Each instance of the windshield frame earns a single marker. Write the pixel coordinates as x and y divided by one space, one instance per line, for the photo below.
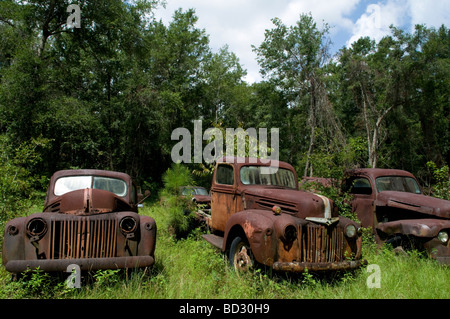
291 184
87 181
404 185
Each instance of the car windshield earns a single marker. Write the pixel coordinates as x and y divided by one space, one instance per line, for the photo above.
71 183
194 191
253 175
397 183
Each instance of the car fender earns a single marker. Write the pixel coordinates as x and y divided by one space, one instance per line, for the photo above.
414 227
262 228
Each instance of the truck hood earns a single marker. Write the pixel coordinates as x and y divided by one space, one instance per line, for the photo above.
415 202
299 203
87 202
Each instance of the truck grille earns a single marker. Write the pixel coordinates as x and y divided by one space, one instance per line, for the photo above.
322 244
83 238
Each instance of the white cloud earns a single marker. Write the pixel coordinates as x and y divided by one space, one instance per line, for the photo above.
432 13
375 22
404 14
241 23
335 13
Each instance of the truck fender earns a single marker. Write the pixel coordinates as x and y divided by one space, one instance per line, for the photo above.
414 227
262 228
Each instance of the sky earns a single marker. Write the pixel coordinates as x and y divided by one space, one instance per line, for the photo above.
241 23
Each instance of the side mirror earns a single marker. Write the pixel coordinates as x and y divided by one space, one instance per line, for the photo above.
142 199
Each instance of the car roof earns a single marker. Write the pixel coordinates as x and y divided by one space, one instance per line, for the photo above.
97 172
377 172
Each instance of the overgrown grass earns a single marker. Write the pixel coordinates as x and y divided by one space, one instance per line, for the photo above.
192 268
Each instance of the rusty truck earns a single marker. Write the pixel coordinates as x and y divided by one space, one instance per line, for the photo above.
392 204
90 219
260 217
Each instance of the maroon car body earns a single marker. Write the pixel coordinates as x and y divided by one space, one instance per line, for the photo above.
198 194
90 219
391 202
262 217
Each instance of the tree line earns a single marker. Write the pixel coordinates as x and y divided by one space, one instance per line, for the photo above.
109 94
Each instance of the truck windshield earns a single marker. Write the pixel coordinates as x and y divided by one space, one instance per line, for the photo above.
71 183
397 183
252 175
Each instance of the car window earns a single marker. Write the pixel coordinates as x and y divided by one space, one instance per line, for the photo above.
201 191
397 183
113 185
255 175
225 175
71 183
359 185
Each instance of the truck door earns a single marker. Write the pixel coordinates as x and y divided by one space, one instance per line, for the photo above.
363 197
223 193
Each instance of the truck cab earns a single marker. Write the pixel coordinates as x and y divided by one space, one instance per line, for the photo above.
258 215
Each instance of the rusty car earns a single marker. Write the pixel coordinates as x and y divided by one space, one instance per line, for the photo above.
90 219
392 204
198 194
260 217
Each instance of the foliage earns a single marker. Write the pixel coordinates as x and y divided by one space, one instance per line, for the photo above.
35 284
180 209
109 94
441 188
17 184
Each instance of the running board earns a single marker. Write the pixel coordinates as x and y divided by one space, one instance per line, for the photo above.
214 240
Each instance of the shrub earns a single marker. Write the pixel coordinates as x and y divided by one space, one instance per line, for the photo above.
441 188
180 210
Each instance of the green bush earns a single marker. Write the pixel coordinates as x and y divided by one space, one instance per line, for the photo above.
441 188
179 209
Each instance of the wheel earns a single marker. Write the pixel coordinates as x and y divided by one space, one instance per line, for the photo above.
241 256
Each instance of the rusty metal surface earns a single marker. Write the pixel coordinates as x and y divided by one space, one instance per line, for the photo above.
52 199
396 213
92 228
415 227
324 266
286 228
415 202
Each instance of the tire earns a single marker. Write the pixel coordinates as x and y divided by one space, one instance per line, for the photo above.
241 257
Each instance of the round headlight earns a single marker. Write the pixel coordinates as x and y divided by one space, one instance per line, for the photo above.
443 237
350 231
36 227
128 224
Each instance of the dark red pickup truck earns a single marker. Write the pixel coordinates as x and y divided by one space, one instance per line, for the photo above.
90 219
258 214
391 202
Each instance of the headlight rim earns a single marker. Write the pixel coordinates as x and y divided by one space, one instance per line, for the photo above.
123 229
39 234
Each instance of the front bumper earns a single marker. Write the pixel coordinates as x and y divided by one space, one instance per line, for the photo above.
85 264
324 266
